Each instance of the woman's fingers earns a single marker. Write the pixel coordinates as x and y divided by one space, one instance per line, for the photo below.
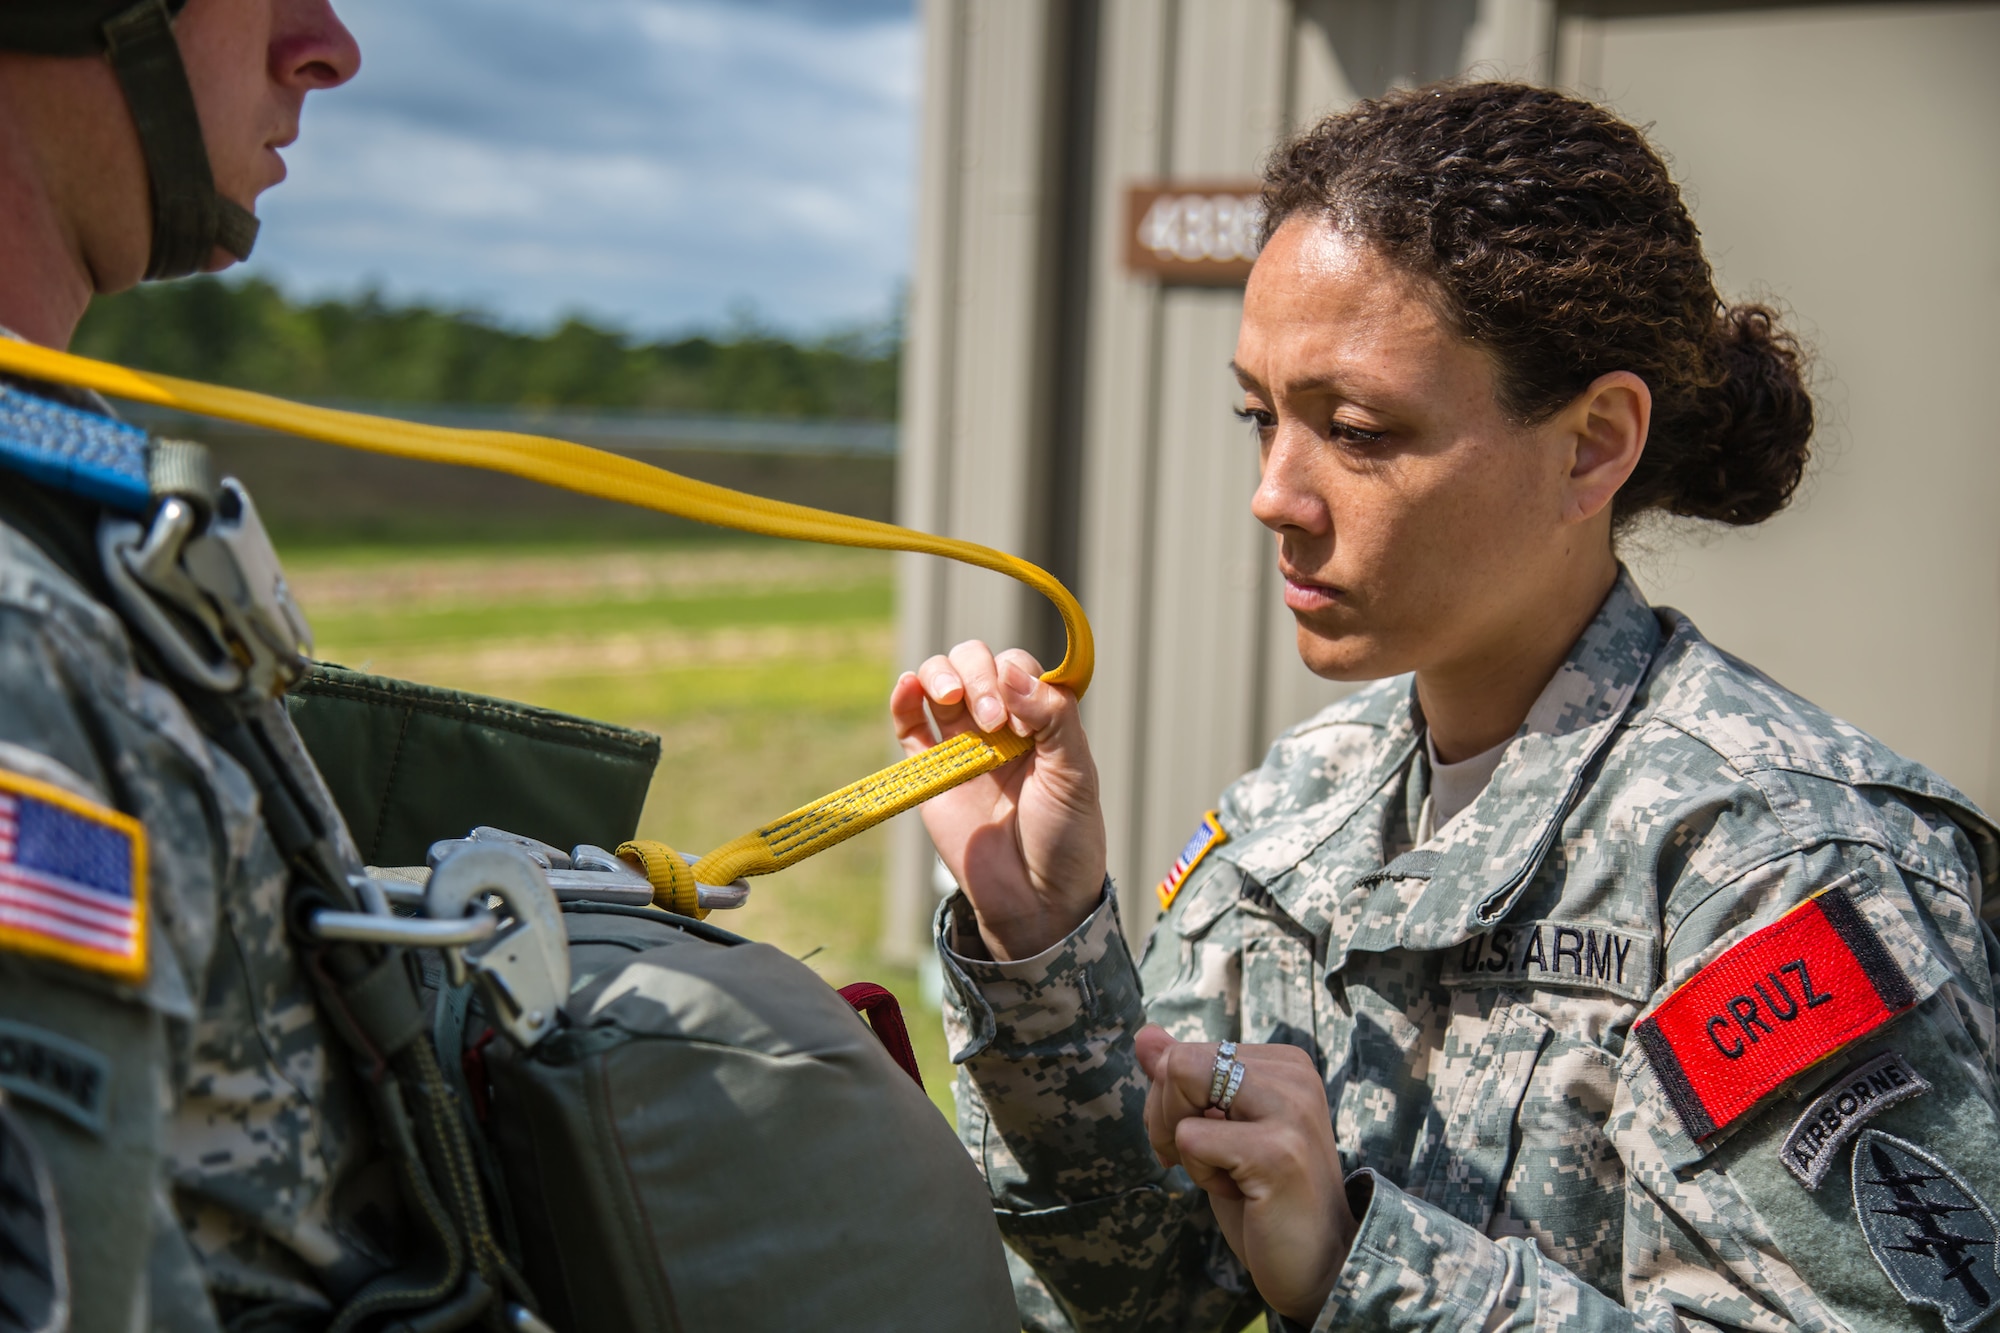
1165 1062
1255 1157
1032 704
1273 1079
1278 1193
1273 1175
971 683
1182 1074
962 688
1150 1043
974 665
942 687
906 710
1279 1084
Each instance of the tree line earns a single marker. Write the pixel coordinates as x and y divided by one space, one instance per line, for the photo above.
247 333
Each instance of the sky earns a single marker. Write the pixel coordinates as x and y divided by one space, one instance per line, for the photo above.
660 165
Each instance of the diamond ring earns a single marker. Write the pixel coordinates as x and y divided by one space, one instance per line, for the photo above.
1228 1098
1225 1056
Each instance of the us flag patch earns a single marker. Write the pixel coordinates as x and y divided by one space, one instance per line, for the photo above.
1208 835
72 879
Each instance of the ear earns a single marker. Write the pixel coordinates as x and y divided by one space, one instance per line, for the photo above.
1605 428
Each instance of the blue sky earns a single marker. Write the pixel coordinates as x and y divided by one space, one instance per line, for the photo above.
659 164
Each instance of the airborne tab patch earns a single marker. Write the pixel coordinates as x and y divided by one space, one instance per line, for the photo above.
1860 1094
1772 1005
66 1076
1208 835
72 879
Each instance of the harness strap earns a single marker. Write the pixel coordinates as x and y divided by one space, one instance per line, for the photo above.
371 1001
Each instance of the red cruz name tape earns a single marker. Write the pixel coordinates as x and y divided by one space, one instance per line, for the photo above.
1778 1002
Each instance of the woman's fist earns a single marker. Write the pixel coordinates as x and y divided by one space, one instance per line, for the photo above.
1270 1166
1025 841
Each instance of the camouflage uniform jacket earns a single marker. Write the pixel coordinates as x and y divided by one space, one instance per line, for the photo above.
202 1127
1471 1003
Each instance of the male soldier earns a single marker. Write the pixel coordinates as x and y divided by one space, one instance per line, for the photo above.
198 1129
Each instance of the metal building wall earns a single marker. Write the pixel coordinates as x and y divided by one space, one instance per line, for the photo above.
1062 408
1845 162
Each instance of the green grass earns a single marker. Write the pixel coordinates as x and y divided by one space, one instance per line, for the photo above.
763 667
864 605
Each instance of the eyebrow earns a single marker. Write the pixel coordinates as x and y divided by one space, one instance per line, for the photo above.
1315 383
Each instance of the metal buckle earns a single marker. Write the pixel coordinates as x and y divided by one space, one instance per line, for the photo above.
234 563
192 646
517 949
524 969
588 873
210 598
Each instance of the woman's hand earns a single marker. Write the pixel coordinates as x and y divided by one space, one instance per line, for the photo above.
1026 841
1270 1169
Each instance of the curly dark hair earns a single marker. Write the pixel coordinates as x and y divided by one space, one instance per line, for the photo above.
1554 238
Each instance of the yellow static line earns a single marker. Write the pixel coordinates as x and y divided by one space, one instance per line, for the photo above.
587 471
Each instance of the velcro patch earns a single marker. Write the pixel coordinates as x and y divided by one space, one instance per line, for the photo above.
72 879
1772 1005
1837 1115
1935 1238
1208 835
67 1077
1557 953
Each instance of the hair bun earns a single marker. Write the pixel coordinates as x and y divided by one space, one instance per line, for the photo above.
1562 247
1745 448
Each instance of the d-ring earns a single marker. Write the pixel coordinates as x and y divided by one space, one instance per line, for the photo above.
1228 1098
1225 1056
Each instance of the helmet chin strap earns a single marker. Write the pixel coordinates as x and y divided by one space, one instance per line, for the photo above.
189 217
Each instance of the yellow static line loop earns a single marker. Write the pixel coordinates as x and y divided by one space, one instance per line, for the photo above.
587 471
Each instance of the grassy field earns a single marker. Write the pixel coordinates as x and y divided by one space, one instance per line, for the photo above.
763 667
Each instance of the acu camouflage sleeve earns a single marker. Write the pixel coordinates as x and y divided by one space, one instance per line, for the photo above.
88 1064
1051 1104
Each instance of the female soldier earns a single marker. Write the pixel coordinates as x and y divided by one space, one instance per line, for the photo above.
1585 978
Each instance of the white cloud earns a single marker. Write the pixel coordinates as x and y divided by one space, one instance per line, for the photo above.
653 162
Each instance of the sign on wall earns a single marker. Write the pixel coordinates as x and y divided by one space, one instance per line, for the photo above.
1197 233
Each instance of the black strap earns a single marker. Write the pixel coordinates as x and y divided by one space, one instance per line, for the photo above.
62 526
189 217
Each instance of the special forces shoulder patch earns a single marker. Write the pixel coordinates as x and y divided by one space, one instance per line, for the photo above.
1936 1240
1208 835
34 1272
1772 1005
72 879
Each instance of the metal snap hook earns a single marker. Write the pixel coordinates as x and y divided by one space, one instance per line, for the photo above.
524 969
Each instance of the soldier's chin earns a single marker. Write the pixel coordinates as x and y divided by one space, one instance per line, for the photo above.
1340 656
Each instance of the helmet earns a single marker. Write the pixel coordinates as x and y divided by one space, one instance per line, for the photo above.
189 217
